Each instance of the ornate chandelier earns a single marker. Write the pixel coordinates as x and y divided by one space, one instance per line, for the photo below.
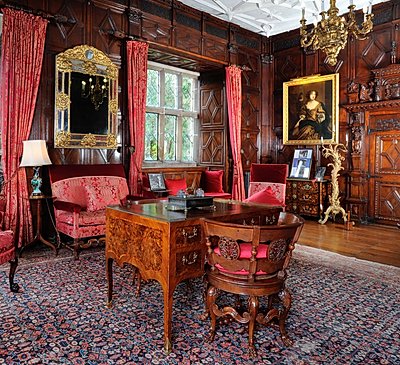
96 91
331 32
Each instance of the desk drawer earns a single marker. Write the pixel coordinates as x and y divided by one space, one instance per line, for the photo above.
188 235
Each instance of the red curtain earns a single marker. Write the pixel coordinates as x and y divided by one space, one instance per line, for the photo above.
234 98
23 41
137 88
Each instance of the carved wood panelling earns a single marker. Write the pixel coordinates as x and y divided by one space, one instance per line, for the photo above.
189 41
387 201
105 23
159 31
249 149
212 150
61 36
250 112
212 107
215 49
374 52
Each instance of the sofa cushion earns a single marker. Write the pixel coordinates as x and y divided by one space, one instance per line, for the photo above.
265 196
99 196
84 218
174 185
213 181
279 190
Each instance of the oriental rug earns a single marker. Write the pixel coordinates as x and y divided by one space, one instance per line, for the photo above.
345 311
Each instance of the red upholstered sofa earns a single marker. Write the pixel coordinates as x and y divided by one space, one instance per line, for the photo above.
187 178
81 194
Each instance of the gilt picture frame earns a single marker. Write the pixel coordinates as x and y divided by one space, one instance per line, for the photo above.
311 110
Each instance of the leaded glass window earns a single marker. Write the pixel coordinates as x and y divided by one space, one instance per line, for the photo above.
171 115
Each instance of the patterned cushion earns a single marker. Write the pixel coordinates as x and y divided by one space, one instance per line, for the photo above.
265 196
99 196
278 190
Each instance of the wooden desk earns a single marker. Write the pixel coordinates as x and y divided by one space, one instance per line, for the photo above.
168 246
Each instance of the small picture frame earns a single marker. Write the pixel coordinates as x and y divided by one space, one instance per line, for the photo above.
320 173
157 182
301 165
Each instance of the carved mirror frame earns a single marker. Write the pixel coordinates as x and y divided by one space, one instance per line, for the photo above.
71 66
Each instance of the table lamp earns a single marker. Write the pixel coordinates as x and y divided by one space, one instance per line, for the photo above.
35 155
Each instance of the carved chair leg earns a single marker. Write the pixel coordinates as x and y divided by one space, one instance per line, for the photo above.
286 299
253 310
14 287
212 294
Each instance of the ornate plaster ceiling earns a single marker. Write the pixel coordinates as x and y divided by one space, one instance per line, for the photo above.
270 17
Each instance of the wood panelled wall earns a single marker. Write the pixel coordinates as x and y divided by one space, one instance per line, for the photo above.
178 36
184 37
370 182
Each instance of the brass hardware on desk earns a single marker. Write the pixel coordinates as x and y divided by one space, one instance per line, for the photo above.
190 258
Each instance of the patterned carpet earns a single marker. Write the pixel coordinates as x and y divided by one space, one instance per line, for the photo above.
345 311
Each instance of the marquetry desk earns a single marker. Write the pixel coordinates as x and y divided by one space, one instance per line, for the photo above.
169 246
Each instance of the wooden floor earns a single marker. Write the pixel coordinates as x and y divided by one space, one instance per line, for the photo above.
367 242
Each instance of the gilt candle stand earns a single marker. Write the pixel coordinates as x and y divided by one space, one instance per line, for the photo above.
334 152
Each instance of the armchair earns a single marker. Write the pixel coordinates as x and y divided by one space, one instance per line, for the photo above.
7 250
250 261
268 178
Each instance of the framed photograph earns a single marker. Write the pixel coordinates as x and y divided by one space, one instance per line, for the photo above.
301 165
311 110
157 182
320 173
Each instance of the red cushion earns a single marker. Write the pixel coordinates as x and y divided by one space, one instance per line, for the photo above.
245 253
265 196
175 185
213 181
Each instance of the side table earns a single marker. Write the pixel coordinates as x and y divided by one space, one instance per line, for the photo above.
37 200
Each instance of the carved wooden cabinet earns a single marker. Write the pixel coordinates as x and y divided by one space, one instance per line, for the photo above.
373 160
307 197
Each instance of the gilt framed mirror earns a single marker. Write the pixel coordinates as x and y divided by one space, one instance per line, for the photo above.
86 99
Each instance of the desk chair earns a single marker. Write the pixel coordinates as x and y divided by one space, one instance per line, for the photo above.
250 261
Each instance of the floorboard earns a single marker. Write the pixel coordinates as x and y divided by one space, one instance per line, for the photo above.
367 242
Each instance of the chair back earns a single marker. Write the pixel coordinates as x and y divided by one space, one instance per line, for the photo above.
251 253
273 173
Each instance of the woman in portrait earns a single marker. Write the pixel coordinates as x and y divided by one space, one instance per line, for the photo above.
314 120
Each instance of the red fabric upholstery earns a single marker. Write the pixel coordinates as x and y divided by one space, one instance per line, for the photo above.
212 181
219 195
245 253
61 172
269 172
265 196
175 185
82 193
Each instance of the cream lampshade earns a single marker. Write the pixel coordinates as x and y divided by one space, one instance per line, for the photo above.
35 155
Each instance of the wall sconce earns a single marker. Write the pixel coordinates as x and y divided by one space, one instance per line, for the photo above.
35 155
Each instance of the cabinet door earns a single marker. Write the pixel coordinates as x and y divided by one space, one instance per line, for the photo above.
384 177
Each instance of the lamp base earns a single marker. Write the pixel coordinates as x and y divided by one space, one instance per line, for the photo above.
36 183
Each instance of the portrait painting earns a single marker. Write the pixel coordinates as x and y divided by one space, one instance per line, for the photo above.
311 110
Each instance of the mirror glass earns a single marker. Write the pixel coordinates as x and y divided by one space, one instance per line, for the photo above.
86 99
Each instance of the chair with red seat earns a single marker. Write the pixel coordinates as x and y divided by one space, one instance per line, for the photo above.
251 261
7 250
268 178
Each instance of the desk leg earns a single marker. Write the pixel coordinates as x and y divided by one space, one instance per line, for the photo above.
168 299
109 275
